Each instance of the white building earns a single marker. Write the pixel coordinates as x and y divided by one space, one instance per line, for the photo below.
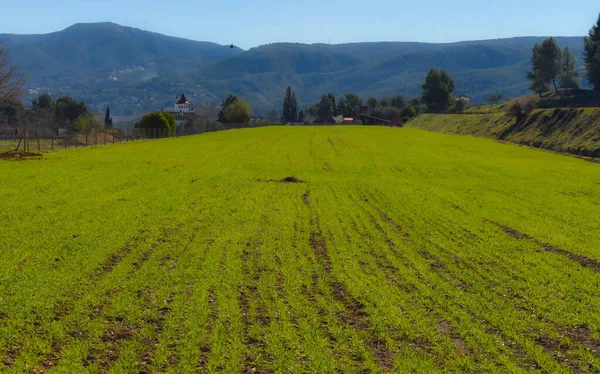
182 106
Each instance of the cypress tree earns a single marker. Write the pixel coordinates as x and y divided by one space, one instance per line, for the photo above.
107 118
592 55
287 106
293 108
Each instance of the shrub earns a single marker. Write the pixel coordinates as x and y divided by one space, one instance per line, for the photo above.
157 120
522 107
238 112
408 111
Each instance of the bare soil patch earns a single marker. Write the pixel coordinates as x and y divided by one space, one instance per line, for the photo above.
19 156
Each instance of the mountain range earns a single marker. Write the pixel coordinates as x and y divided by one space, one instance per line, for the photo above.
137 71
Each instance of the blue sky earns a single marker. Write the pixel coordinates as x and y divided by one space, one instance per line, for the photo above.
249 24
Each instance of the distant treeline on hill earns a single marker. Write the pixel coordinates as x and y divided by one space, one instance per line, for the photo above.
82 61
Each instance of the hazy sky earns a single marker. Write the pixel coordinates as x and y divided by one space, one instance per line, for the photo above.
249 24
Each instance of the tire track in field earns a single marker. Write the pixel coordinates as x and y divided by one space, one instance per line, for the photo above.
62 308
581 335
117 332
249 291
584 261
157 324
519 349
355 315
206 348
442 326
149 345
518 352
391 273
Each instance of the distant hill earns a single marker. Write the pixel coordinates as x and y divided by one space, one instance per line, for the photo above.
137 71
104 57
378 69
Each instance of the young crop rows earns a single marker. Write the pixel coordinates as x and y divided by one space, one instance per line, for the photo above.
390 250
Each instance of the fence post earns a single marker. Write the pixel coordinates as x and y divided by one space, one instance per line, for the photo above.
38 141
65 141
52 142
104 137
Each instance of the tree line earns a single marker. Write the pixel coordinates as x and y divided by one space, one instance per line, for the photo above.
437 96
556 68
49 114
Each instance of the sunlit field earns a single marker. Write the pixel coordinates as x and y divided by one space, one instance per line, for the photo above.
300 249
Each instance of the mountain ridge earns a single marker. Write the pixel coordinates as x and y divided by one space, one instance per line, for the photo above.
136 71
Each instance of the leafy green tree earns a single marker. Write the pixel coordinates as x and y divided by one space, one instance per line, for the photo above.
408 111
87 122
551 61
301 116
333 104
349 105
44 101
569 76
67 110
391 112
324 110
385 102
171 121
372 103
108 122
546 65
591 55
539 83
397 101
437 90
157 120
154 120
238 112
228 101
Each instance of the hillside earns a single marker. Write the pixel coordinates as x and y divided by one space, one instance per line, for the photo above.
393 250
569 130
373 69
137 71
96 62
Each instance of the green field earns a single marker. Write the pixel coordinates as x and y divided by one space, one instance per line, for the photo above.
399 250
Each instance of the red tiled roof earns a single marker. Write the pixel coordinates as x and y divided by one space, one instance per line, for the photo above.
182 100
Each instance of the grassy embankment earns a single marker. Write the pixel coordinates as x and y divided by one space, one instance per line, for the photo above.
400 250
571 130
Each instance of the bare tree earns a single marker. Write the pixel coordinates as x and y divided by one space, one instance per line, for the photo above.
522 107
11 81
